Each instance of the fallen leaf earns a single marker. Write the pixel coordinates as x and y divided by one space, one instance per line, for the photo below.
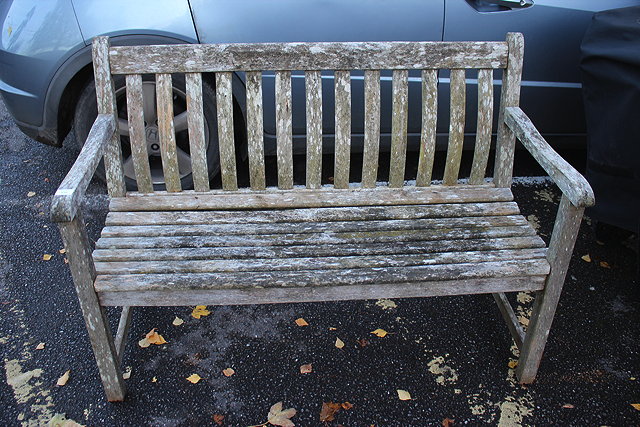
447 422
62 251
31 193
331 328
228 372
363 342
632 378
306 369
586 258
63 379
512 364
339 343
281 418
154 380
200 311
155 338
403 395
46 257
177 321
66 261
144 343
568 406
127 373
301 322
217 418
346 406
604 264
194 378
60 420
380 333
636 406
328 411
40 346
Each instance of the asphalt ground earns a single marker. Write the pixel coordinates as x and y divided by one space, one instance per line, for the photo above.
451 354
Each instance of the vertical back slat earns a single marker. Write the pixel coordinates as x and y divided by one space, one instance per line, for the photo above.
224 105
137 135
510 97
371 128
255 130
168 152
456 127
107 105
343 129
313 87
284 130
195 121
483 132
428 134
400 111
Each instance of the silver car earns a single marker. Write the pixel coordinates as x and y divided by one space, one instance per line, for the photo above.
46 76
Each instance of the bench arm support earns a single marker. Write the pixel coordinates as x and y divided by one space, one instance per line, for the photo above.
66 200
572 184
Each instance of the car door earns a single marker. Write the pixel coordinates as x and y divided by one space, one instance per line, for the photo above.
252 21
553 30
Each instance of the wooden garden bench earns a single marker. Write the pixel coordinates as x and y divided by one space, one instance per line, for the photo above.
314 242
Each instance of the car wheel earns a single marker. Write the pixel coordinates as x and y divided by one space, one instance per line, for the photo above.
86 112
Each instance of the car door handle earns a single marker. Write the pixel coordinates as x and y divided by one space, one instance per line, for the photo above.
499 5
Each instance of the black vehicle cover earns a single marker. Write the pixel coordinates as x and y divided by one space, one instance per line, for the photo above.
611 88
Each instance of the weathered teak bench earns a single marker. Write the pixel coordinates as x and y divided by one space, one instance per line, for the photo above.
314 242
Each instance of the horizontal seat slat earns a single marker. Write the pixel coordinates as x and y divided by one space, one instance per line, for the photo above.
312 263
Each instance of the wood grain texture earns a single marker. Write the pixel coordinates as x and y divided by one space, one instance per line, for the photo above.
284 130
456 127
566 177
137 135
66 200
343 129
224 104
428 133
78 252
509 97
483 127
105 94
255 130
195 122
510 318
400 114
371 128
123 332
168 151
563 238
306 56
313 88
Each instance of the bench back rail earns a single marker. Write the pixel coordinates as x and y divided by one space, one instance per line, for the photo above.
311 58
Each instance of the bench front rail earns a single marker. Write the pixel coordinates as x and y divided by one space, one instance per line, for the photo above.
312 241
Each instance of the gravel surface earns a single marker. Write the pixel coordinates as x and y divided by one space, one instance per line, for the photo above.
451 354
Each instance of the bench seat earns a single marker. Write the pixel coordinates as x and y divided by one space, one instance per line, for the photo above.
316 254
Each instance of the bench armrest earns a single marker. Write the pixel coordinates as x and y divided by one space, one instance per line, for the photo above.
67 198
572 184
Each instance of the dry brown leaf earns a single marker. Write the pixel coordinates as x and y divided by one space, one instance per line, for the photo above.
31 193
605 264
447 422
40 346
194 378
228 372
328 411
177 321
362 342
346 406
586 258
200 311
403 395
331 328
306 369
512 364
568 406
636 406
154 338
301 322
339 343
62 251
217 418
64 378
47 257
380 333
279 417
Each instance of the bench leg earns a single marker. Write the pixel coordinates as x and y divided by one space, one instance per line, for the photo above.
78 252
561 245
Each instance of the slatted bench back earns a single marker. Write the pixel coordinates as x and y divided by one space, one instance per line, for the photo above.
282 58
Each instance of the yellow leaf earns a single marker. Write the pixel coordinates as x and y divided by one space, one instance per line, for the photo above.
403 395
512 364
379 333
155 338
40 346
586 258
339 343
636 406
177 321
200 311
31 193
194 378
228 372
154 380
63 379
46 257
301 322
306 369
279 417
